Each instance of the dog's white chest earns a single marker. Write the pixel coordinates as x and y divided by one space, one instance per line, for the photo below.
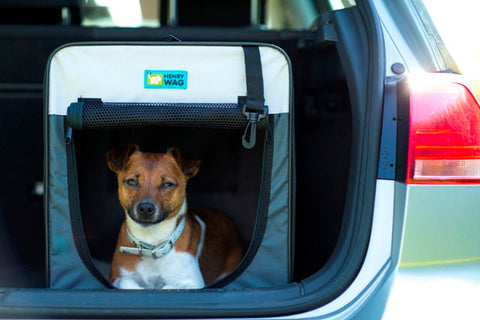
176 270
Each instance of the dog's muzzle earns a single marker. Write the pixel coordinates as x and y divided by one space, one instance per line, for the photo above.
147 213
146 208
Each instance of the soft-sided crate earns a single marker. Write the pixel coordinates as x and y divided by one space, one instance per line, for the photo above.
228 104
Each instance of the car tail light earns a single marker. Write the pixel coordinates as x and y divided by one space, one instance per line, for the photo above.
444 137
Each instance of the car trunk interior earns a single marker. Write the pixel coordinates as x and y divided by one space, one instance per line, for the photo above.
323 143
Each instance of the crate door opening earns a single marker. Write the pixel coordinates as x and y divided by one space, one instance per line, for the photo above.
229 179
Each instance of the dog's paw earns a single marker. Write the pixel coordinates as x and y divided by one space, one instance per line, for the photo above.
187 285
126 284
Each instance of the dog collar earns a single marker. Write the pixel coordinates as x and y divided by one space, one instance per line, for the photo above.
144 249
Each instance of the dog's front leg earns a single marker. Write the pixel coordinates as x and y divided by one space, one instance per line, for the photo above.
183 272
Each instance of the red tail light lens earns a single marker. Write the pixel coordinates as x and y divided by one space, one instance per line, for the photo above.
444 137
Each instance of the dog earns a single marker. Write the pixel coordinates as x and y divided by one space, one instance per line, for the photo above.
161 243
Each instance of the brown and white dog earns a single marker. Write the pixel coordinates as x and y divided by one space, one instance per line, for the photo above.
161 244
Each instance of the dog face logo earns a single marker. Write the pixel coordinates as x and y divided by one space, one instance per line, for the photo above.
154 79
151 186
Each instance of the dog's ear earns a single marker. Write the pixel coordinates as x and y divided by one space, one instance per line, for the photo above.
117 158
189 164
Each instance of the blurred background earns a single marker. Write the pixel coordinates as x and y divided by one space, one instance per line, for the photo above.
457 22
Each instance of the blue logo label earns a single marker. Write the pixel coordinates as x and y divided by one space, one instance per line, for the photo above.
165 79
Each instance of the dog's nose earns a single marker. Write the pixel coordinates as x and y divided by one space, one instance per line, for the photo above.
146 208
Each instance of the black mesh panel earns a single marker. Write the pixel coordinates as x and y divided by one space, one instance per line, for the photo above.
98 115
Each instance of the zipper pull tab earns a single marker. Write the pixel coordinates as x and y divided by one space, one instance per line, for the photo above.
68 135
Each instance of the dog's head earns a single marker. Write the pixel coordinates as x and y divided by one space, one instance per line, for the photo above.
151 186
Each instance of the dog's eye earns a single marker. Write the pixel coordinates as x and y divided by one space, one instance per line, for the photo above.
167 185
132 182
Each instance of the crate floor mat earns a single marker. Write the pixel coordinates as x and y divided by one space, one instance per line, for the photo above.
228 104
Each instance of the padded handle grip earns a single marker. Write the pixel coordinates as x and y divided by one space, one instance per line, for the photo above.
95 114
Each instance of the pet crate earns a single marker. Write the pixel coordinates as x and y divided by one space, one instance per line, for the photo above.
229 104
